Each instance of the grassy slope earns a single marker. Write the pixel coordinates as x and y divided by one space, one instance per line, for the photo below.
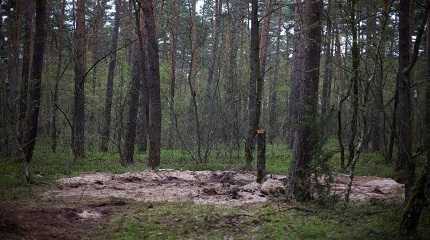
187 221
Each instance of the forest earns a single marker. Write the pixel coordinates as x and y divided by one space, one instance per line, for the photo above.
214 119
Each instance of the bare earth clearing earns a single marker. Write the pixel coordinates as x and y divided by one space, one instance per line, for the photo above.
208 187
78 206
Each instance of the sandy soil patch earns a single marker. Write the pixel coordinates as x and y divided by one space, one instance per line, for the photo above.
207 187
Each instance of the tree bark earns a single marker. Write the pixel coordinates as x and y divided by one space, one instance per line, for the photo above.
418 198
153 85
174 24
127 155
78 137
13 74
32 115
107 114
355 82
255 86
307 133
59 73
265 37
296 72
273 101
405 165
26 67
328 73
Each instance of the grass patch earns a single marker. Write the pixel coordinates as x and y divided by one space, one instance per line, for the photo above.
271 221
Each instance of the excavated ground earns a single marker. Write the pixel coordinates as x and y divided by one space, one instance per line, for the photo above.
208 187
78 206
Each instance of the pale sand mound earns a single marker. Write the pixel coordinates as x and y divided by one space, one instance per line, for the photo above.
206 187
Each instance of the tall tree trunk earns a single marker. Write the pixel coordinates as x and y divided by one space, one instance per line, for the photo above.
306 141
26 67
97 26
192 82
3 97
13 74
107 114
35 85
355 82
373 59
58 75
153 85
296 72
78 137
265 37
213 64
255 86
328 73
418 198
174 23
405 165
273 102
127 155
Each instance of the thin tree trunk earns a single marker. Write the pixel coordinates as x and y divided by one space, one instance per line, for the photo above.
213 65
265 37
127 154
109 84
328 73
78 137
58 75
35 85
273 102
192 82
174 22
355 82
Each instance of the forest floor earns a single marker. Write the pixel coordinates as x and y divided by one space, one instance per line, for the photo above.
99 199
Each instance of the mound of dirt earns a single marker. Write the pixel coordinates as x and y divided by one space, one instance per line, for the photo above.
206 187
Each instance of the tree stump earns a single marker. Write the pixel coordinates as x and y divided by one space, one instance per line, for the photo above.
261 154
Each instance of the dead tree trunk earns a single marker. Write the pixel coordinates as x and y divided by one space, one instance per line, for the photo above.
107 114
35 85
261 155
78 136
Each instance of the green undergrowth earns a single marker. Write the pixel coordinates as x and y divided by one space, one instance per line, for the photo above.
271 221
